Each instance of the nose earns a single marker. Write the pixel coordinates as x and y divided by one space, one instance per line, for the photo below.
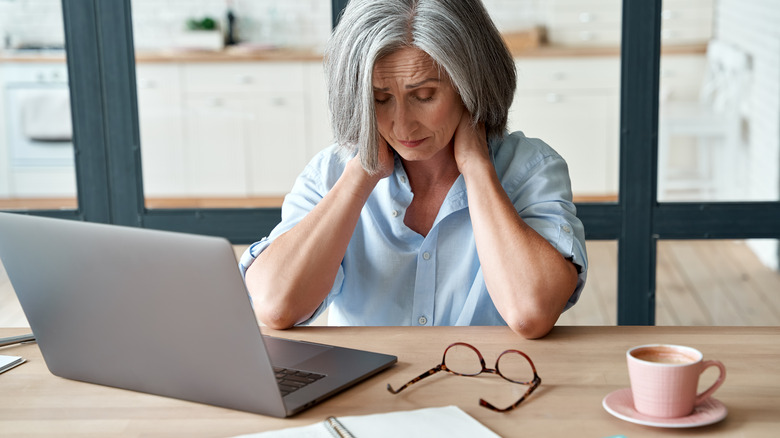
404 122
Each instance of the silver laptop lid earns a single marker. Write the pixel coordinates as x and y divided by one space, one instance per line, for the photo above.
95 295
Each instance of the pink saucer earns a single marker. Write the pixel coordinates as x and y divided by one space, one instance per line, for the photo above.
620 403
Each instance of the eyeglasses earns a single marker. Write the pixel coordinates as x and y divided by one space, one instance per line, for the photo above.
463 359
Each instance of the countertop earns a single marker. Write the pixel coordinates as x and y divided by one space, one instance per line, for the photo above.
292 55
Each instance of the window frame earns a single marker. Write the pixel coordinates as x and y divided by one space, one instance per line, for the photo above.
101 68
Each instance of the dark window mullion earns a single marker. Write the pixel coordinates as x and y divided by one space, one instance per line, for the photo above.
84 80
117 66
640 57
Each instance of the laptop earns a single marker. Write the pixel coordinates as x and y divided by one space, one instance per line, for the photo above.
163 313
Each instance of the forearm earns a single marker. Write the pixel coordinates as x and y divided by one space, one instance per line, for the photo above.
291 277
527 278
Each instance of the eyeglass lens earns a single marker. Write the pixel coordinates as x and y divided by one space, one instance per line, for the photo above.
464 360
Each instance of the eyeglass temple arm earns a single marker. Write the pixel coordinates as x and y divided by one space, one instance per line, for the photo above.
535 384
431 371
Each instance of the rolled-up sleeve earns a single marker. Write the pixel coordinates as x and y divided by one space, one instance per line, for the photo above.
306 193
317 178
537 181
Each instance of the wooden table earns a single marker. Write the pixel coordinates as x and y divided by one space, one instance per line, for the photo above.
578 367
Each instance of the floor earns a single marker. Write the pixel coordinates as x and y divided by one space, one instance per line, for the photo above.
698 283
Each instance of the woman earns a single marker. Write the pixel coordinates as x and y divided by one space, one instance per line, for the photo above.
425 212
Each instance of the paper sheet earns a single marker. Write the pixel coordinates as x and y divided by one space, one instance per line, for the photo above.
449 421
8 362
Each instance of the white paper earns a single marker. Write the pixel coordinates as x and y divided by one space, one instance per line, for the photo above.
8 362
449 421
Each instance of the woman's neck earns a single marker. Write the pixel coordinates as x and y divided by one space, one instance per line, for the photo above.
441 169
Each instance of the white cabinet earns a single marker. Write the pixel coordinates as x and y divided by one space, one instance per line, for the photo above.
160 119
597 23
245 127
582 22
319 133
277 150
573 105
215 146
681 77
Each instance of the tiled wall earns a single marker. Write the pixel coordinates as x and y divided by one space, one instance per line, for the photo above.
37 22
274 22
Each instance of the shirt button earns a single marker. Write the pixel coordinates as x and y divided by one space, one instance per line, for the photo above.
566 229
403 179
395 213
426 255
423 320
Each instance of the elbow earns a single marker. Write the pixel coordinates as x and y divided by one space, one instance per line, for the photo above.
269 306
275 311
532 323
531 328
275 319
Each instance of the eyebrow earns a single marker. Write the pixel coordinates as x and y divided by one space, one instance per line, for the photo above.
411 86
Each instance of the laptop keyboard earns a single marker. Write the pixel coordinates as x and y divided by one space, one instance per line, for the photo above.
290 380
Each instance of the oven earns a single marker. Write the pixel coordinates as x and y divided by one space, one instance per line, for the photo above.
38 134
37 109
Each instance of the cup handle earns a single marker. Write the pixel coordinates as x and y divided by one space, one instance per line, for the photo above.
707 393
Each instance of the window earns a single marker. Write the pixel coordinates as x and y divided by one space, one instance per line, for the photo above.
103 80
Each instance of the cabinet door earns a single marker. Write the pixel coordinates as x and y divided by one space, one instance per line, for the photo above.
214 151
160 119
276 150
319 132
583 128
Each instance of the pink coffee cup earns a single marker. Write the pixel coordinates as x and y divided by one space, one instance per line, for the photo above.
665 378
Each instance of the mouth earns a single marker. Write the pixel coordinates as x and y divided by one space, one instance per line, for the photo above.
411 143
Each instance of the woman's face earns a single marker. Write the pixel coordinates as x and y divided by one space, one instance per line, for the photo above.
417 109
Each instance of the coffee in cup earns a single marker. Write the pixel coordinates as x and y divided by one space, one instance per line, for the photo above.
664 379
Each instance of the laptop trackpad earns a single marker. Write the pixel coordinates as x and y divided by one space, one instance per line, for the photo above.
287 353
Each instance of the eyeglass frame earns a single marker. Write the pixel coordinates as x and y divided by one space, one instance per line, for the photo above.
534 383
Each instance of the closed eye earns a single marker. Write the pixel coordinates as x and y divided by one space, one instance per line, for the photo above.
425 94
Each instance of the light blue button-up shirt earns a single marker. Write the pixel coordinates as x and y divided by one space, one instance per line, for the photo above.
391 275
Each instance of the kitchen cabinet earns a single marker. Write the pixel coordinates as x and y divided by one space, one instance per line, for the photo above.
573 105
277 151
36 160
245 127
597 23
320 134
160 119
215 161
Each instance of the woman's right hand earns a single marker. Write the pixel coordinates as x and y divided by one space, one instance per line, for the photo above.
386 159
386 162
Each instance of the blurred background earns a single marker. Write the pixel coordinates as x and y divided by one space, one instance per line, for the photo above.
232 105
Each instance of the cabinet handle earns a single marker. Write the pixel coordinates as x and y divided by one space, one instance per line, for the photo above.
554 98
246 79
586 35
586 17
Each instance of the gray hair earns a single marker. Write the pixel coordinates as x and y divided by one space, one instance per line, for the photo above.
458 35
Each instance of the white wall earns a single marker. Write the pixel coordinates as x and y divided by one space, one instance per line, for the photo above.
32 21
278 22
752 25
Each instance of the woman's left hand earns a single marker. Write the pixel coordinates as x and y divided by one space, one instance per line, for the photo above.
469 143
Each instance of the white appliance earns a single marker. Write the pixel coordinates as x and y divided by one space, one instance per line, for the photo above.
38 152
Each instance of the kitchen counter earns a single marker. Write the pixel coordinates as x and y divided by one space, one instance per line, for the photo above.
239 54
